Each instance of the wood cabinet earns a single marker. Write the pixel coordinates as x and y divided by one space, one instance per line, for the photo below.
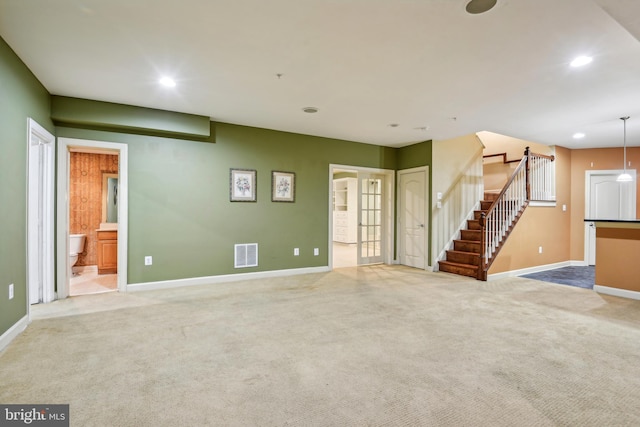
345 215
107 251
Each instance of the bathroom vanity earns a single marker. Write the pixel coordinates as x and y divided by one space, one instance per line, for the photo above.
107 251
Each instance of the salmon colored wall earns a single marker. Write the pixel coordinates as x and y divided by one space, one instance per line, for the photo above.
496 172
85 198
618 265
541 226
581 161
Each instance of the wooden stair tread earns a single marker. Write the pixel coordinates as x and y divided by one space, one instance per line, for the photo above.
463 252
457 264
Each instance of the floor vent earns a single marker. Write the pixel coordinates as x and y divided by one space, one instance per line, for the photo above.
246 255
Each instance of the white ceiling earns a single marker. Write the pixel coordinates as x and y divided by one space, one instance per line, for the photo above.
364 63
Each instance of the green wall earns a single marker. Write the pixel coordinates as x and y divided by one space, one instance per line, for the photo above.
22 97
179 208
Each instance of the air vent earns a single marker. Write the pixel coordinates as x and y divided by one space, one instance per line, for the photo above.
246 255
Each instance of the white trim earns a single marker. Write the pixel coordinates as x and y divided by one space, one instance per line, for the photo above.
47 167
65 145
13 332
617 292
536 269
225 278
390 185
542 203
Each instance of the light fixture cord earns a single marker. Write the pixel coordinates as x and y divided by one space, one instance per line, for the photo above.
624 120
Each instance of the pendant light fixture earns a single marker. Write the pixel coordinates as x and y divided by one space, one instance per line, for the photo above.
624 177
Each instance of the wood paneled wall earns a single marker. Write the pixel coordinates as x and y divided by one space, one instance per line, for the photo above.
85 198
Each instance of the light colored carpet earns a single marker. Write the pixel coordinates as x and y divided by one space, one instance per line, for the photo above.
368 346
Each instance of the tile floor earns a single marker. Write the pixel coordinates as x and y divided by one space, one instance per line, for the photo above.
582 277
345 255
88 281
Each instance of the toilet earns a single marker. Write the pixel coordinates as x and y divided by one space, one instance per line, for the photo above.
76 246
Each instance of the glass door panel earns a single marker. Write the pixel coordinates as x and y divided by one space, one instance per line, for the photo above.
370 217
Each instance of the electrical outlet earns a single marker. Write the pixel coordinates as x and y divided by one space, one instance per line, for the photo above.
11 291
296 251
564 208
316 251
539 249
148 260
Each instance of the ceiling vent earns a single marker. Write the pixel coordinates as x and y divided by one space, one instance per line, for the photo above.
246 255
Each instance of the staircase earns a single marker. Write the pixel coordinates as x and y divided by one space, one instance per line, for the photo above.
486 233
464 259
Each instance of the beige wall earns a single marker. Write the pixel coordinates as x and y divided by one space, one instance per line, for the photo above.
590 160
541 226
457 175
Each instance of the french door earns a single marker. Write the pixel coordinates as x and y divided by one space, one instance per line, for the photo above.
370 218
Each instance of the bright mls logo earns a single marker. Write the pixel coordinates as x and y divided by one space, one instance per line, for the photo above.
34 415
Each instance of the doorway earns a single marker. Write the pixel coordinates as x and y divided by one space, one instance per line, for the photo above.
97 237
360 216
40 242
606 198
413 217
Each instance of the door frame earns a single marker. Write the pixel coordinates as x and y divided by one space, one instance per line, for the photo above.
65 145
587 202
388 216
400 234
46 166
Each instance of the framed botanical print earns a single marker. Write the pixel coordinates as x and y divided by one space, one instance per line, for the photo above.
283 186
242 185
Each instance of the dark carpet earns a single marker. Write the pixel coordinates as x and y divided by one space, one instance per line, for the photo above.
582 277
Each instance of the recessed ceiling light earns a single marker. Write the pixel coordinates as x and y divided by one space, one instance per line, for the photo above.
310 110
581 60
578 135
167 82
480 6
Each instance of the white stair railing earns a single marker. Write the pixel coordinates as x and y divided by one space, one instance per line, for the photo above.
531 180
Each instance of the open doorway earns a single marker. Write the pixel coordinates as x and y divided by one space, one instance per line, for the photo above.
361 211
92 217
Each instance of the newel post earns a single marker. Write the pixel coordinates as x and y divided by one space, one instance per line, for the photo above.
482 221
528 172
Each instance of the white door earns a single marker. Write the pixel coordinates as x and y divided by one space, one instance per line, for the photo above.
608 199
413 220
40 215
370 218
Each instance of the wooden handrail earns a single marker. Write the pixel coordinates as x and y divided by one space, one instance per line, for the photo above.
523 162
504 157
544 156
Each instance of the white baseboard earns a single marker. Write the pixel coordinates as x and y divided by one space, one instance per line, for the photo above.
536 269
225 278
13 332
617 292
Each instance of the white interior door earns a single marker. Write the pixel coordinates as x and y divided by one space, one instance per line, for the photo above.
608 199
370 218
40 215
413 220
